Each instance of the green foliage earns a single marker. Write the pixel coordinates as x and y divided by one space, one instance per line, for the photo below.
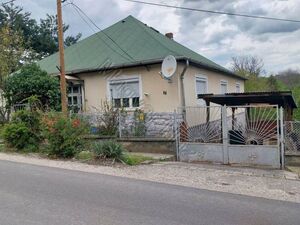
296 94
30 118
84 156
24 131
290 78
65 136
107 122
40 39
108 149
32 81
11 51
133 160
16 135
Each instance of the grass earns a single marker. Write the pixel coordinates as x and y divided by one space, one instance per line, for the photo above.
133 160
84 156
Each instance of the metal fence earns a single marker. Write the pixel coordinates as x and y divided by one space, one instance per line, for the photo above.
253 125
244 125
292 136
18 107
201 124
245 135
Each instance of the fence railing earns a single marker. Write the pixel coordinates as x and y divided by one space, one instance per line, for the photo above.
200 124
292 136
253 125
239 125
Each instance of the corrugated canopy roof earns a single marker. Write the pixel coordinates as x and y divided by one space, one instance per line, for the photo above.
129 42
281 98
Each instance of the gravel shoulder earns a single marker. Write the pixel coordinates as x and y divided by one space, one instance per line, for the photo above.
271 184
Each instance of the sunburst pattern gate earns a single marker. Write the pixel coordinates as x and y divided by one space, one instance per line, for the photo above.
247 135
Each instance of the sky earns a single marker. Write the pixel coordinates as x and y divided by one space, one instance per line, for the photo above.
217 37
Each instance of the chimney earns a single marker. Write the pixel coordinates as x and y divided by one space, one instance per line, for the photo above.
169 35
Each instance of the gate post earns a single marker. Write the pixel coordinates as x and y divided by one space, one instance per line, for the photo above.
176 135
225 135
282 137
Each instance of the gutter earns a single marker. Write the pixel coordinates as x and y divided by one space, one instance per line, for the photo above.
187 63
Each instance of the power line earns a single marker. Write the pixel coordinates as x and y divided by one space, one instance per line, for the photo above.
214 12
80 11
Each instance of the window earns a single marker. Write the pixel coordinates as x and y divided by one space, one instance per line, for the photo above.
201 88
125 93
237 88
223 87
75 97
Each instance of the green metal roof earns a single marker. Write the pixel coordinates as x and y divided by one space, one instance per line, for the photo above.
126 43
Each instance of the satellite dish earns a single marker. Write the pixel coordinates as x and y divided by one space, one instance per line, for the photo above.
169 67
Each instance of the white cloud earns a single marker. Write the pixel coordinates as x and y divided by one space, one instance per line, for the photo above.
218 37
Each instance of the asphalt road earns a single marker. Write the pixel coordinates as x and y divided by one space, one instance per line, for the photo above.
33 195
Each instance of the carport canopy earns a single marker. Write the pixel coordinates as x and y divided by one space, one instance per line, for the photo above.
282 99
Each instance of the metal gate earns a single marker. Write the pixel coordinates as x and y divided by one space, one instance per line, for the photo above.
246 135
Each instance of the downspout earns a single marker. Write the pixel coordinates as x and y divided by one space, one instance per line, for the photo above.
182 88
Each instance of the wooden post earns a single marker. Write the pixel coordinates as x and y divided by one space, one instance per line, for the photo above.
207 111
62 60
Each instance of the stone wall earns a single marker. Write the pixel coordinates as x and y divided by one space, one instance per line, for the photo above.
139 124
146 145
150 124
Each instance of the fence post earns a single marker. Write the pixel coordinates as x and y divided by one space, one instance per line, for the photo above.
120 123
176 135
282 137
225 135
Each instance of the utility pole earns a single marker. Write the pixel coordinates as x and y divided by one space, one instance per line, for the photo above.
63 89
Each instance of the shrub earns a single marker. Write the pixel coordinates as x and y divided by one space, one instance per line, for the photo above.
24 131
107 121
30 81
30 118
108 149
65 136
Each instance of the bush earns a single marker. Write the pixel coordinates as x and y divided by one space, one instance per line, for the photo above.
107 122
32 81
30 118
108 149
65 136
24 131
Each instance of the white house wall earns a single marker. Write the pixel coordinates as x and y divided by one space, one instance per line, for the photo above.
158 94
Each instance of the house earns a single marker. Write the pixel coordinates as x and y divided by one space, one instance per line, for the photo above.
122 64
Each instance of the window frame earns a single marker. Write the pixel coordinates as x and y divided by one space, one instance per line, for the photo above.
222 82
238 86
78 95
124 78
203 78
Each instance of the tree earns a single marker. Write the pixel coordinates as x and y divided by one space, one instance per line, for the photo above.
11 52
32 81
247 66
48 39
289 77
40 39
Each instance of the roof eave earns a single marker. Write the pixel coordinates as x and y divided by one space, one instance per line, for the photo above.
152 62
